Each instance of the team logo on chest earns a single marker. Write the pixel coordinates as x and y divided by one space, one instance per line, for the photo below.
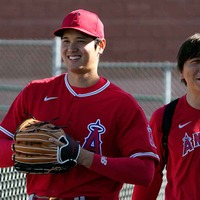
190 143
93 141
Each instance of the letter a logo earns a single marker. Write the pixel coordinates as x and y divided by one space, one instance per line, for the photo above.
75 21
93 140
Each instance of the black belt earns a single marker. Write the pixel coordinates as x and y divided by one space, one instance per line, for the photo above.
35 197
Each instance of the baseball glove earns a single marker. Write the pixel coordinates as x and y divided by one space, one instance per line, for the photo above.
34 151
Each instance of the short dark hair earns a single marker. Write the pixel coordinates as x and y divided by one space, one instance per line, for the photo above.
188 50
97 41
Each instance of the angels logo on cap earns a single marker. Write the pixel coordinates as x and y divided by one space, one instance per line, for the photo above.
84 21
75 21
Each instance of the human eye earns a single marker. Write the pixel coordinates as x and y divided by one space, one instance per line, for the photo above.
195 61
81 41
65 41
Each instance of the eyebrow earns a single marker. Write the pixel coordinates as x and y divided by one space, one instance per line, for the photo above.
79 37
195 58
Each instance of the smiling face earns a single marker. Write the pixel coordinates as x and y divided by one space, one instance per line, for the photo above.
191 74
80 52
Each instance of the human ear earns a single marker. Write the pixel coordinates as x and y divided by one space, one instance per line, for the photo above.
102 45
181 76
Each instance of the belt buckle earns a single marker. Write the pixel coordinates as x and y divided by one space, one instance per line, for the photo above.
80 198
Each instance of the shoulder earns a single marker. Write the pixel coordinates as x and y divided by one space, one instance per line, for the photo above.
157 115
126 100
121 93
46 81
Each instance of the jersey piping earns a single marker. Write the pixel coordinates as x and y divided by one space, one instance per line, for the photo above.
140 154
86 94
6 132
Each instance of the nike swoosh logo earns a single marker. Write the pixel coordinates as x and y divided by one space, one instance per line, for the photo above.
183 125
49 98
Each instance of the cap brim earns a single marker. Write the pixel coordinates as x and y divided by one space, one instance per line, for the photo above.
59 32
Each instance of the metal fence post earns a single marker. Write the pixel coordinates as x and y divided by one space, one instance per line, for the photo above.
167 83
56 57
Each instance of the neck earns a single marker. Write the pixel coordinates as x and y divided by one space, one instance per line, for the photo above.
82 80
193 100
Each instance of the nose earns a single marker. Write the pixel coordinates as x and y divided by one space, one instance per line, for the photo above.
72 46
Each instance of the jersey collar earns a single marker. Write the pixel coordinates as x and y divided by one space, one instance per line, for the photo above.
85 92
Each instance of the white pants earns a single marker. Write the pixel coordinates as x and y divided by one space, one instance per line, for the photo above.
32 196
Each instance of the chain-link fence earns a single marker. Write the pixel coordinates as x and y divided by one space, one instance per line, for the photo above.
152 84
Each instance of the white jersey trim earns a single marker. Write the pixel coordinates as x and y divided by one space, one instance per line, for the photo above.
86 94
8 133
142 154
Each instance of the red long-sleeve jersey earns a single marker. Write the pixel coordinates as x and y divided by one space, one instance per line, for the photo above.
183 179
103 118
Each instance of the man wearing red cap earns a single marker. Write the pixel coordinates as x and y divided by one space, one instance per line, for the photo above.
107 122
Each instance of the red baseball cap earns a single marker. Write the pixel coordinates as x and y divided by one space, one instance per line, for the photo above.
84 21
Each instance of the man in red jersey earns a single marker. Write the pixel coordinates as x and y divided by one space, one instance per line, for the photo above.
183 163
115 138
